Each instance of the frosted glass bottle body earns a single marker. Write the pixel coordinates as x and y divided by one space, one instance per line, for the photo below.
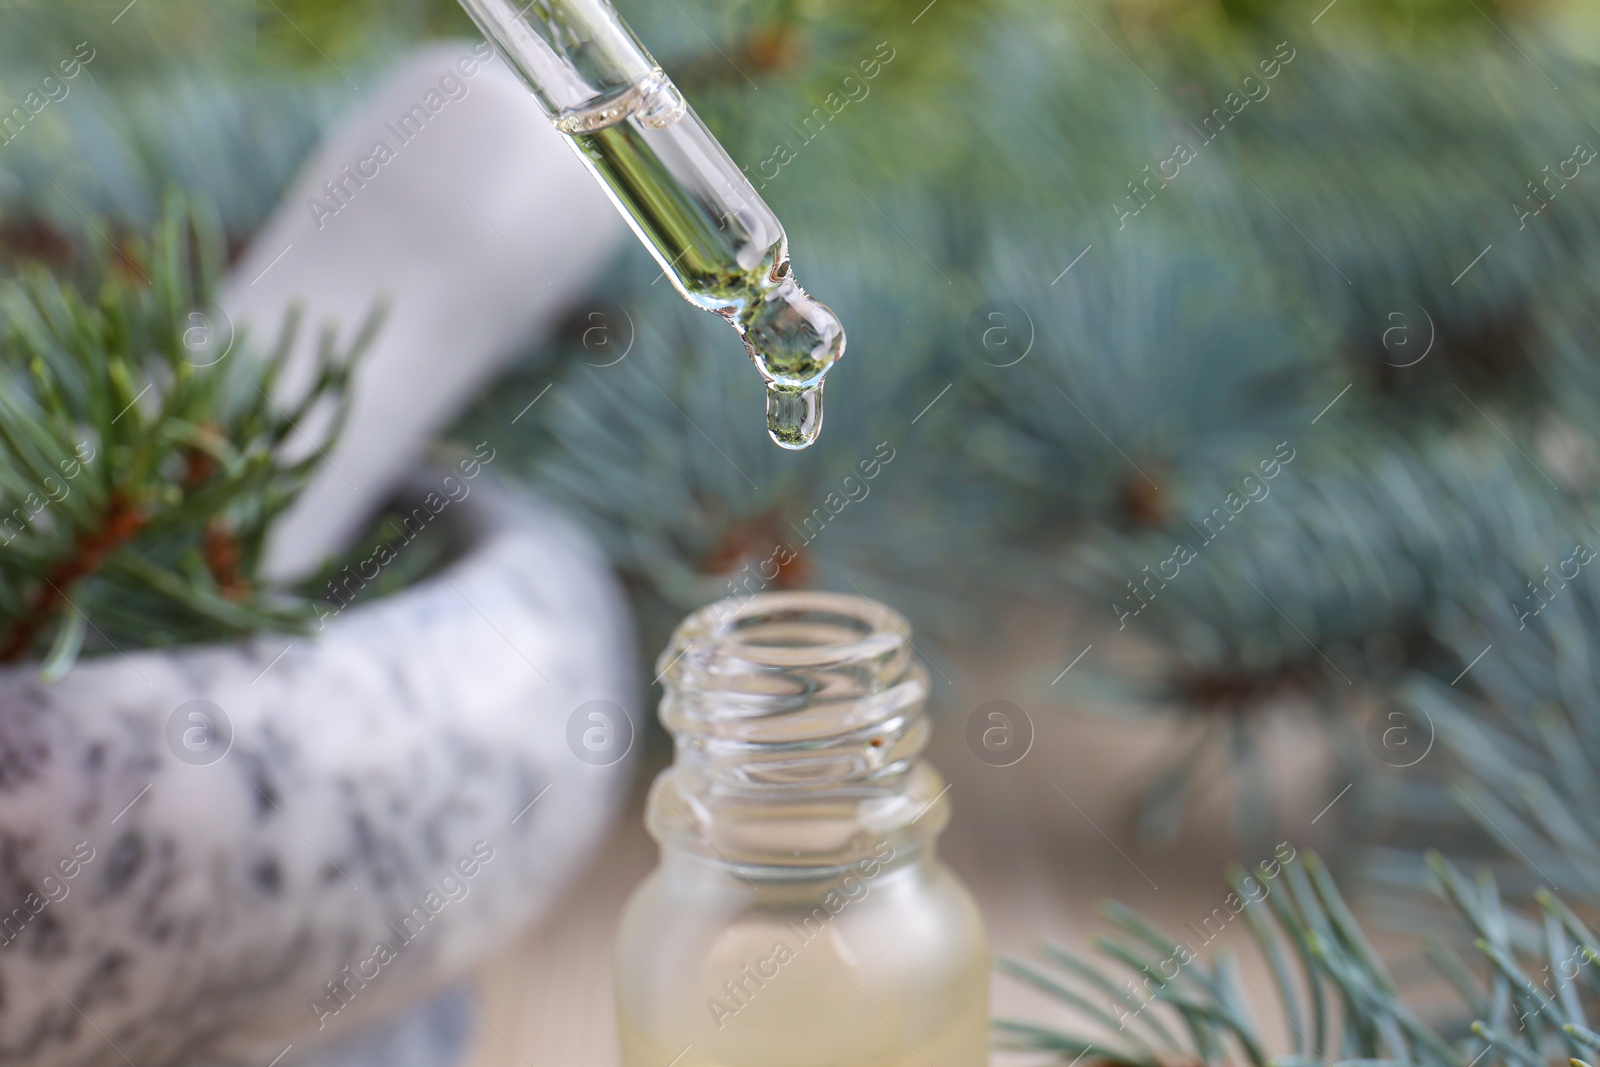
800 916
768 975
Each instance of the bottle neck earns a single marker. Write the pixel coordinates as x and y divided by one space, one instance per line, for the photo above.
885 866
798 725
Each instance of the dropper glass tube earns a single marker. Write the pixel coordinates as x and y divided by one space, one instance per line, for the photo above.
712 234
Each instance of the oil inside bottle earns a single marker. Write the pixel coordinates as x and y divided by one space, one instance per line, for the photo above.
716 240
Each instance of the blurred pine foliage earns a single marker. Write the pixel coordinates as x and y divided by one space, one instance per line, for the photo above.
1353 263
220 98
143 456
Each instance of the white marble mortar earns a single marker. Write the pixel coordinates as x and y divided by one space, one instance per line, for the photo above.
162 900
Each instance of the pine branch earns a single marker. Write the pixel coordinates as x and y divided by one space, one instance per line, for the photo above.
1518 723
142 455
1152 1000
117 526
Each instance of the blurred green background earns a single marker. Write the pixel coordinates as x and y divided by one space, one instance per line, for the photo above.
1101 262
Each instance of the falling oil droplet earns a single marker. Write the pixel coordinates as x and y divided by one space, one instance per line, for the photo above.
794 416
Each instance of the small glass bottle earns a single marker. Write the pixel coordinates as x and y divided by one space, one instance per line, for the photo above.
799 916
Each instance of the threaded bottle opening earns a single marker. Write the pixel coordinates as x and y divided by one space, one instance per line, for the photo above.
793 688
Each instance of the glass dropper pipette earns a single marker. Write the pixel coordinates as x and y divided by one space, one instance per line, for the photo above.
714 237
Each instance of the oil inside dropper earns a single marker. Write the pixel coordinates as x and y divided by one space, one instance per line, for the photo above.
716 240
